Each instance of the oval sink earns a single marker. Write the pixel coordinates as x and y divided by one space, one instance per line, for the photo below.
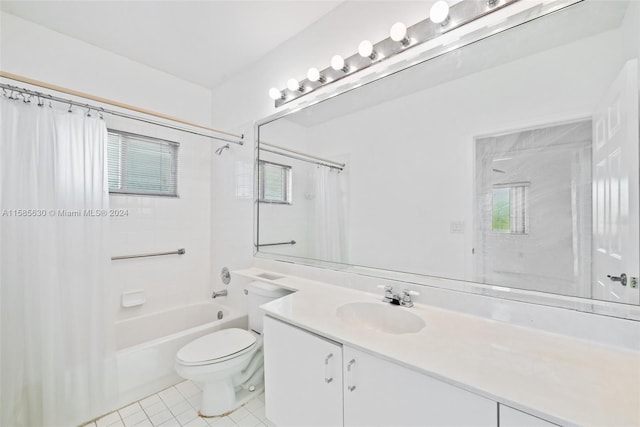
381 317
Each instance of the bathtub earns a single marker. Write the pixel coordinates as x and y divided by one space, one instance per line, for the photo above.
147 345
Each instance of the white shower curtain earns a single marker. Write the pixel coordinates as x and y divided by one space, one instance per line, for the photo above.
330 215
57 331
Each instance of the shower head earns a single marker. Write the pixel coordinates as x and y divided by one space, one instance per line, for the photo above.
221 149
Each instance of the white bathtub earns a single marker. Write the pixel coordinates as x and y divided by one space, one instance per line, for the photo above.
147 345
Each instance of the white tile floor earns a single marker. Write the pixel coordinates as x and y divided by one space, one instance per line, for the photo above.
177 406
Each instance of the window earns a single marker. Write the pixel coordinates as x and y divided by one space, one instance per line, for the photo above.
274 182
142 165
509 206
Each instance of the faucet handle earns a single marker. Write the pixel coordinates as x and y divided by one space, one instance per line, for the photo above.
388 292
406 297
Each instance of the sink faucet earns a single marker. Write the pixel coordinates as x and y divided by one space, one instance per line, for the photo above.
222 293
403 299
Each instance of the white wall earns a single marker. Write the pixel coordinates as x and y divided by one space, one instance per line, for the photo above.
154 223
36 52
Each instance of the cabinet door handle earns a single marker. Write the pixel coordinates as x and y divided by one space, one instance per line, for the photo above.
350 384
327 378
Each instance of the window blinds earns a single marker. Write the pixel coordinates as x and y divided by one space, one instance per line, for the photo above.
142 165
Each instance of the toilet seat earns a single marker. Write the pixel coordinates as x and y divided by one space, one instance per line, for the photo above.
216 347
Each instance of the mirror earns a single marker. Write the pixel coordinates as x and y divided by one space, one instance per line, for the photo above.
511 162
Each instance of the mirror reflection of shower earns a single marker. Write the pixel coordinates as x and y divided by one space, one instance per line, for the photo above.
221 149
314 187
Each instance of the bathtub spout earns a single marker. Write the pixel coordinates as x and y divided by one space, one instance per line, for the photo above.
222 293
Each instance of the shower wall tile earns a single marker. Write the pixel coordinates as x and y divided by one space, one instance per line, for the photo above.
158 224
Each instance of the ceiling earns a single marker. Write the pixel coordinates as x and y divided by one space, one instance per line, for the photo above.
203 42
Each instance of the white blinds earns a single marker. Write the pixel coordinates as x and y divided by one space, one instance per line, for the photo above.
142 165
275 183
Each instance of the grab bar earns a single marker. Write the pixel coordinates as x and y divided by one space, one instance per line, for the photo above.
293 242
180 251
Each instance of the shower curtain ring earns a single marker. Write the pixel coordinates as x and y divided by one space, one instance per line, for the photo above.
69 110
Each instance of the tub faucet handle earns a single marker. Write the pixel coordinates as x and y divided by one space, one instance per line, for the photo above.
222 293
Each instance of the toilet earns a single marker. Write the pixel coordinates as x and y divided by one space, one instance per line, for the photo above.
228 364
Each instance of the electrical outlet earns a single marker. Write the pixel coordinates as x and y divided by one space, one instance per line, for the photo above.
456 227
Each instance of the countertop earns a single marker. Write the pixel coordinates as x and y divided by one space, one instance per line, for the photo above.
561 379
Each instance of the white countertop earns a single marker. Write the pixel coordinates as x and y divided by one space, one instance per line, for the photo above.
558 378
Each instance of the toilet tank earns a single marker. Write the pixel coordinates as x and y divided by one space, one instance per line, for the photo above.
261 293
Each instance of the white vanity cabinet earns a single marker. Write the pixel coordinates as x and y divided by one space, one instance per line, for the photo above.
382 393
510 417
303 377
313 381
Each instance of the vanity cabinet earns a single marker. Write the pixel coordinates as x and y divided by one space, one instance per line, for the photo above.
311 381
303 377
510 417
382 393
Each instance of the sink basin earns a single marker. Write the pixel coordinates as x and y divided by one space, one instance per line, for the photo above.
381 317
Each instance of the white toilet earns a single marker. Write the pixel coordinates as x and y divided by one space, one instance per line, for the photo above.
229 363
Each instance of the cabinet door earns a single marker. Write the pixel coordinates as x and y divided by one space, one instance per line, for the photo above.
303 377
381 393
510 417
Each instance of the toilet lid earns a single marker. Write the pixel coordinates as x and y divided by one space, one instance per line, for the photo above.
217 345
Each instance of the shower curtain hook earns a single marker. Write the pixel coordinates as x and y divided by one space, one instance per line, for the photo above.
88 111
4 90
69 110
100 113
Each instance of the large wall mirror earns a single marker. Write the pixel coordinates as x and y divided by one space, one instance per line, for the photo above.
510 162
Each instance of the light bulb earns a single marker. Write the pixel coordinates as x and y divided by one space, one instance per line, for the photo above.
337 63
293 84
398 32
439 12
314 75
365 49
275 93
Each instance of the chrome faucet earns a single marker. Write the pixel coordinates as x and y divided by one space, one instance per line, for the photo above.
222 293
403 299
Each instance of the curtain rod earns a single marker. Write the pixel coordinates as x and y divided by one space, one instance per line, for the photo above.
293 156
320 160
73 92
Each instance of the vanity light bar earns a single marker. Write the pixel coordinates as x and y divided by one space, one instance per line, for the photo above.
459 14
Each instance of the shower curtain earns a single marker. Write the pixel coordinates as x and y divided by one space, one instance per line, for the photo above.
330 216
57 342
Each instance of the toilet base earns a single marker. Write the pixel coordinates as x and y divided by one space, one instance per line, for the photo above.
217 403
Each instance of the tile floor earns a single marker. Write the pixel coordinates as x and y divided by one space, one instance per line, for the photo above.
177 406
